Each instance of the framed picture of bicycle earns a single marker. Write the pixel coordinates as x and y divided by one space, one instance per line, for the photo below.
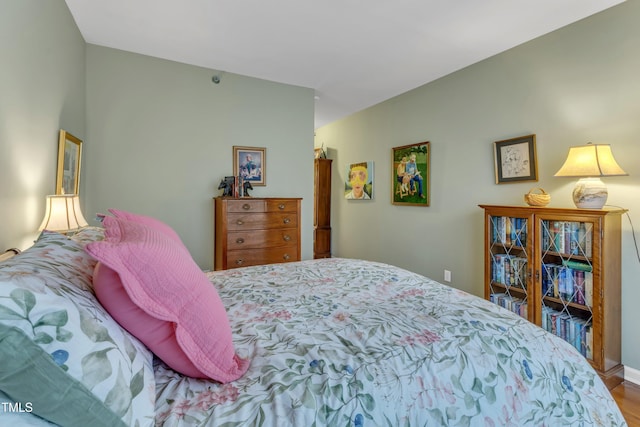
410 172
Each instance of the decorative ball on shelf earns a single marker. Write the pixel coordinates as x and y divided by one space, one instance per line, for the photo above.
542 198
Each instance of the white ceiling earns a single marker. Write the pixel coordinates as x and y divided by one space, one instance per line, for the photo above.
353 53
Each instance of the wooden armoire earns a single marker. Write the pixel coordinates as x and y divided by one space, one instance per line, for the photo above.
322 208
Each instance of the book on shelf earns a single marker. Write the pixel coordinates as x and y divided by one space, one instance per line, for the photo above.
571 239
580 288
564 285
568 284
511 303
577 265
576 331
588 242
509 231
509 270
558 236
498 234
588 289
568 237
588 343
582 233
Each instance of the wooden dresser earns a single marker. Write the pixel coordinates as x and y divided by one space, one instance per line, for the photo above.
254 231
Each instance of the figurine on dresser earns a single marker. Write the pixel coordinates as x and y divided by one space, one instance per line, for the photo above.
232 186
246 186
226 185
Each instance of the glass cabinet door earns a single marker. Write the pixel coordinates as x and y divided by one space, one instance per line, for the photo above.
509 248
567 282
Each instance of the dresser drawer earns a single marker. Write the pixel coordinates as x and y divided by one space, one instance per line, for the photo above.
262 238
246 205
240 221
244 258
282 205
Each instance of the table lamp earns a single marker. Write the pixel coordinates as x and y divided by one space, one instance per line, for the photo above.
63 214
589 163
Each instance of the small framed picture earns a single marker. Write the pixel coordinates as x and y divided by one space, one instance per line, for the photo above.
515 159
410 174
69 157
359 183
251 164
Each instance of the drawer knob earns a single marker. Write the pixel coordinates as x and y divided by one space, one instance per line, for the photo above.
281 206
286 237
286 257
239 222
239 261
239 240
286 220
246 206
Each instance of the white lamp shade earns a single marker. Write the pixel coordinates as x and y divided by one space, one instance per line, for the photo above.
590 160
63 214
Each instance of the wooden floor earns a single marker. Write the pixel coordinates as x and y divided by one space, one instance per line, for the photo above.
627 395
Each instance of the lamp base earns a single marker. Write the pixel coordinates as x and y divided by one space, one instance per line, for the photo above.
590 193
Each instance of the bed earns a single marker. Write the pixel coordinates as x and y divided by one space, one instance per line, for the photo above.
330 342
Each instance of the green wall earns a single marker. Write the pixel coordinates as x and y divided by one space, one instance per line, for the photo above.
41 90
575 85
160 137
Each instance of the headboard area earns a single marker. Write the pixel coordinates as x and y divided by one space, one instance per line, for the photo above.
9 253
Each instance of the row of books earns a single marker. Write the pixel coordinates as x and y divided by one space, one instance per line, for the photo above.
509 231
575 331
568 237
509 270
569 284
517 305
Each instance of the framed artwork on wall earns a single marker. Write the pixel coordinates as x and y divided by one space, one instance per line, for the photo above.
250 163
69 158
359 183
410 174
515 159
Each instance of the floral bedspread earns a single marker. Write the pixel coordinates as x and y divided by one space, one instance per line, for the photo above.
340 342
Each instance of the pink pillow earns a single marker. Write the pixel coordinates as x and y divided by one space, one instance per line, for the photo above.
156 334
161 278
154 223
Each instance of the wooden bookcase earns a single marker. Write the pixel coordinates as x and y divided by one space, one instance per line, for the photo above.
560 269
322 208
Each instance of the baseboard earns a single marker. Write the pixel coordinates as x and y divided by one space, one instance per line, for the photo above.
632 375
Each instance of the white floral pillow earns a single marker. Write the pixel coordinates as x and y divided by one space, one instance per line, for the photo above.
57 258
61 349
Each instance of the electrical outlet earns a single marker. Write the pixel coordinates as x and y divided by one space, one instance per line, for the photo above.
447 276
